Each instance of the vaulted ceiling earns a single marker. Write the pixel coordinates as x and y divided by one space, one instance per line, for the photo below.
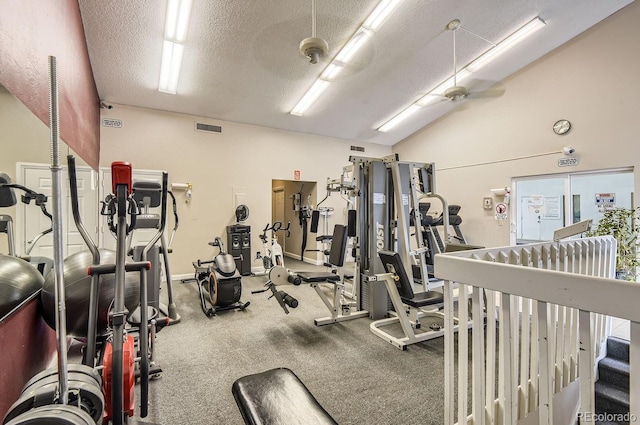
242 61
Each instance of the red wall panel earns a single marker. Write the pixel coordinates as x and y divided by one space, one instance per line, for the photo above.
28 346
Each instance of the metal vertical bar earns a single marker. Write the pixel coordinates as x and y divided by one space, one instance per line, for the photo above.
58 244
478 381
491 357
634 363
546 381
449 355
463 351
523 401
585 366
505 377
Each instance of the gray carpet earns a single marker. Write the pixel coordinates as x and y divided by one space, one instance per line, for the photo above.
356 376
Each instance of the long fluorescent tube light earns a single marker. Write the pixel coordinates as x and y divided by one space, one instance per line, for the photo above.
170 68
373 22
177 23
438 92
311 96
380 14
406 113
175 33
531 27
355 43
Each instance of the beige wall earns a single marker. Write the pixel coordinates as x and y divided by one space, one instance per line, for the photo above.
592 81
23 138
243 158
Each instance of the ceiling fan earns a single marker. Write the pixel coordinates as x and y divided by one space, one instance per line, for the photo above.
457 92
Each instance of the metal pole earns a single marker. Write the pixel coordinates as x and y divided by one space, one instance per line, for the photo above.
58 245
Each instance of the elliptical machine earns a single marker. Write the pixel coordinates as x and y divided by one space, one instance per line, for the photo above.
219 282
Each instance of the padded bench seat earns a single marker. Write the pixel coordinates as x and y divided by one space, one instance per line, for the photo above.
278 396
313 277
422 299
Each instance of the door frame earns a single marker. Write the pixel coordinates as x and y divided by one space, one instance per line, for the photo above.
568 206
21 170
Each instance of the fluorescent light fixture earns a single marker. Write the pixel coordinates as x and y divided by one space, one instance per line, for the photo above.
373 22
177 23
175 33
438 92
412 109
311 96
170 69
331 71
528 29
380 14
353 45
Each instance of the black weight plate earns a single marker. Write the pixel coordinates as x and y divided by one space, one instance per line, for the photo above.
72 375
91 398
53 414
44 393
74 367
40 396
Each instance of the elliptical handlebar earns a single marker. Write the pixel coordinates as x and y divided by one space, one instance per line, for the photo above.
175 221
90 351
275 228
40 199
144 329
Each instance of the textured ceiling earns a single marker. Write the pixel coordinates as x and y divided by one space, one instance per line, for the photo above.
242 64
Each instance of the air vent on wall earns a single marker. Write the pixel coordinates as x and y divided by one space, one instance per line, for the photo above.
357 148
208 128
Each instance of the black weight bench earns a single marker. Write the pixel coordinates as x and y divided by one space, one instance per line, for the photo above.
278 396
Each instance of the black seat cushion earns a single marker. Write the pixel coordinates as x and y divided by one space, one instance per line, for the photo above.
278 396
311 277
422 299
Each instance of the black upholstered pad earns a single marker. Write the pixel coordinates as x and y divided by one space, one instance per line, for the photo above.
422 299
278 396
311 277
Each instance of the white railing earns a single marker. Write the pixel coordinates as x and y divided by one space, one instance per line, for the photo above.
544 306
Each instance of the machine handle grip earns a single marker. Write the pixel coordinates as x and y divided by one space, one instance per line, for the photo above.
111 268
288 299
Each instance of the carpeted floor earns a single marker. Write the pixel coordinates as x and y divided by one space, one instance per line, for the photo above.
356 376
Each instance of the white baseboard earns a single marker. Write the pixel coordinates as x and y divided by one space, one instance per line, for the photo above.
305 259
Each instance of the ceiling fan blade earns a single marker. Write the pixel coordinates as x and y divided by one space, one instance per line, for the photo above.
487 93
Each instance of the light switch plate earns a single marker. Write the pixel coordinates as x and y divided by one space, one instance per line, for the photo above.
487 203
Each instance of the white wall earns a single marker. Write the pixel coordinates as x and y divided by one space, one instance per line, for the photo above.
591 80
243 158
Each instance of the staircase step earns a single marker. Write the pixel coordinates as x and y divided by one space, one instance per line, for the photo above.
618 348
614 371
611 399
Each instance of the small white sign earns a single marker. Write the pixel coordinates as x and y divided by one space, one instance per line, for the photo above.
567 162
378 198
111 122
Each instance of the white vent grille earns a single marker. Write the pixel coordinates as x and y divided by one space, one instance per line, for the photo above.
357 148
208 128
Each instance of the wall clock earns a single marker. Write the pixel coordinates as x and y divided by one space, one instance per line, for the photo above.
561 127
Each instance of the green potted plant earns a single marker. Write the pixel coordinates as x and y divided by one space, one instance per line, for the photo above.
623 224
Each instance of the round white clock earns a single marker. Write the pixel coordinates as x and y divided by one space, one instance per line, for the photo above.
562 127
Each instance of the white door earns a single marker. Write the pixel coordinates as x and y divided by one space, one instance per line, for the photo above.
32 221
140 236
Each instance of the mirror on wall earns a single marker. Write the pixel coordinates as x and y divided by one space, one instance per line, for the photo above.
25 159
